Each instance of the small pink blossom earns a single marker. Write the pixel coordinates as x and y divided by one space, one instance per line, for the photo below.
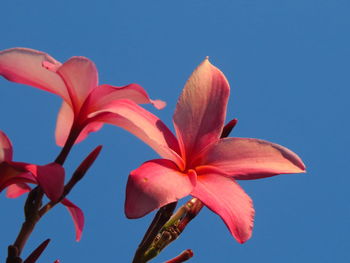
76 82
199 163
15 176
50 177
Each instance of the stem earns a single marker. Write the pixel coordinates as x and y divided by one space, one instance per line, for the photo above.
73 135
31 207
172 229
24 234
162 216
34 202
195 206
12 253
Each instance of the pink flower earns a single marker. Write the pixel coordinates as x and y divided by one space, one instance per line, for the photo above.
15 176
76 82
200 163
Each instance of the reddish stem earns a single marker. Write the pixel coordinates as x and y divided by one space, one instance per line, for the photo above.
34 202
73 135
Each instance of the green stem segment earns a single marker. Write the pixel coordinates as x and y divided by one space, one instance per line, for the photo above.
167 231
162 216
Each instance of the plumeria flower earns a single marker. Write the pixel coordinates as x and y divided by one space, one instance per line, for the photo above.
76 82
15 176
199 163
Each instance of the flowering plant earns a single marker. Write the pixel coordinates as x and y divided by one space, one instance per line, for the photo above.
200 161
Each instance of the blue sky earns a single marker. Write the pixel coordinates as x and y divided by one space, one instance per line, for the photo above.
288 66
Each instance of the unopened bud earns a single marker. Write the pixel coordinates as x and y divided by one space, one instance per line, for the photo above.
33 257
228 128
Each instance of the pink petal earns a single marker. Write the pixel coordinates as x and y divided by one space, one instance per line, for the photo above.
12 174
24 65
103 95
50 177
5 148
64 123
90 127
77 216
101 98
144 125
252 158
226 198
80 76
200 112
155 184
16 190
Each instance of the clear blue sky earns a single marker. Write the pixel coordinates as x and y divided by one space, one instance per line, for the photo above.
288 66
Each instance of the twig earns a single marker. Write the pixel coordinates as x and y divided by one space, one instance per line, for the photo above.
162 216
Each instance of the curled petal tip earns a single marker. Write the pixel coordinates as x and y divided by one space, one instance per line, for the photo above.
158 104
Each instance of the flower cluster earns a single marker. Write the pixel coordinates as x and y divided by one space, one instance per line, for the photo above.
200 160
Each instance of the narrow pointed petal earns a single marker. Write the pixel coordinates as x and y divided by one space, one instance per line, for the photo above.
13 174
77 216
144 125
245 158
103 95
5 148
200 112
80 76
16 190
50 177
25 66
226 198
155 184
